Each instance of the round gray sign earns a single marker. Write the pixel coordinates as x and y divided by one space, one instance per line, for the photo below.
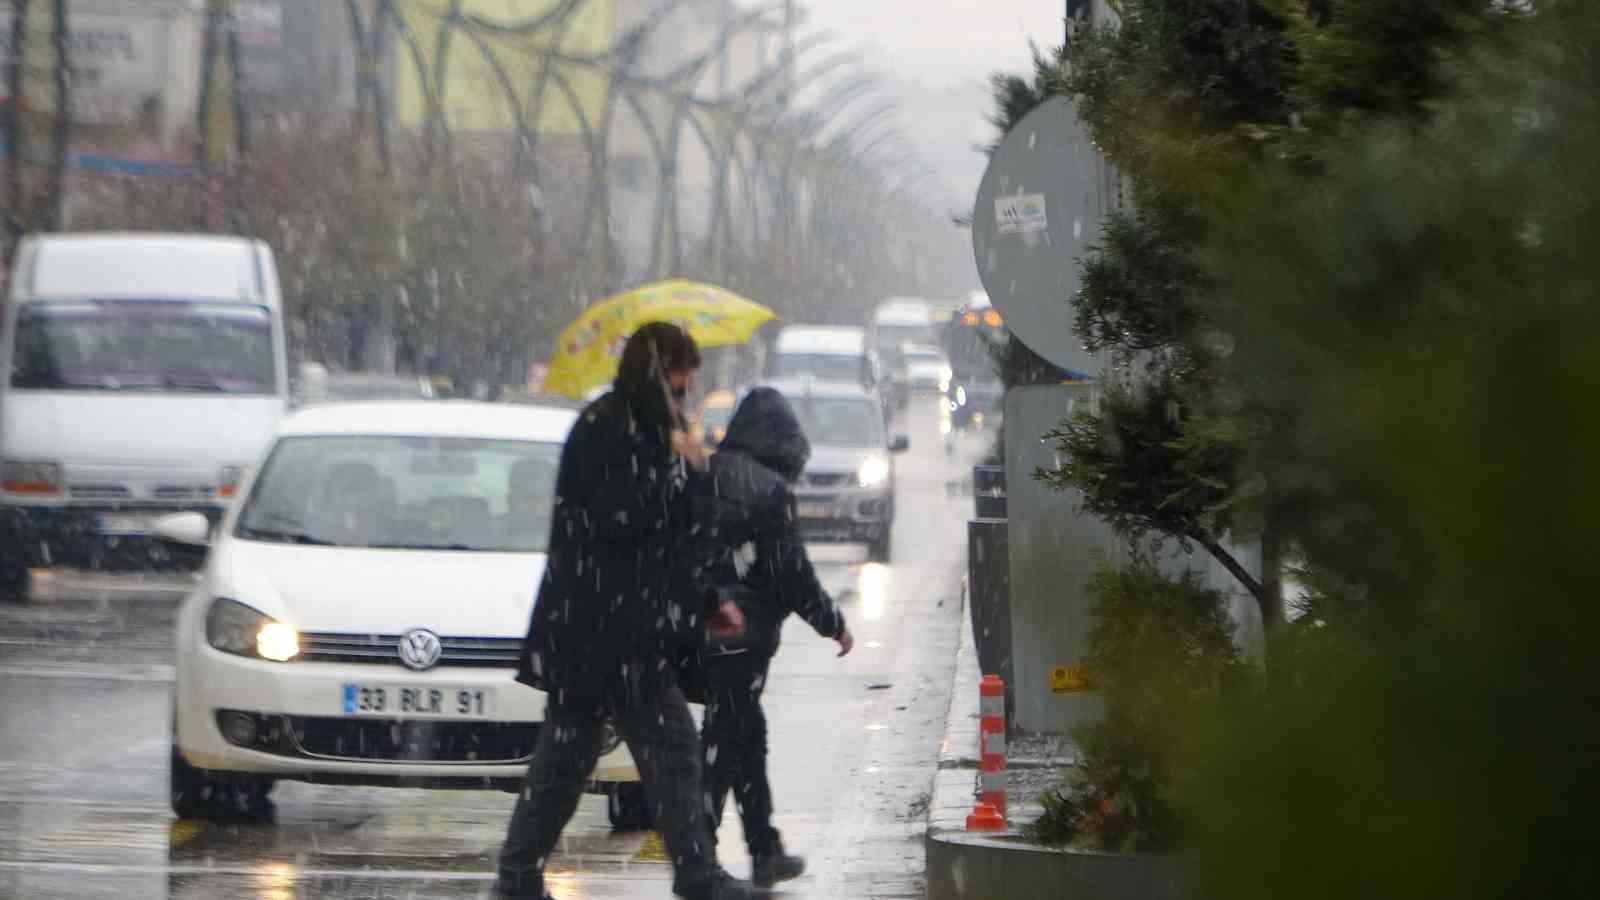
1039 207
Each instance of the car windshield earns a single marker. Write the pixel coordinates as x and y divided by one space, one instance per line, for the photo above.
417 493
840 421
145 346
822 366
377 389
890 338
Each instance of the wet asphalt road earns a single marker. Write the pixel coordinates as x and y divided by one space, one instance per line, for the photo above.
85 694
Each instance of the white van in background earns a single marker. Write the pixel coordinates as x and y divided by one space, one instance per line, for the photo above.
142 373
900 321
825 353
896 323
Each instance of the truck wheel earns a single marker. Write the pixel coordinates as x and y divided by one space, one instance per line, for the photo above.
881 548
15 580
626 807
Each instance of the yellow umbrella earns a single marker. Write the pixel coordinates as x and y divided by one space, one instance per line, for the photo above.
587 351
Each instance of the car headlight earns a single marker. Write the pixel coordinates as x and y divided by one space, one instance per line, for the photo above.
19 477
873 472
945 374
233 627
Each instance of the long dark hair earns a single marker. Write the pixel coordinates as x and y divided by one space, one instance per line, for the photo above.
650 353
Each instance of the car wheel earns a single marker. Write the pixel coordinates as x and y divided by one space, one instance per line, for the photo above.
626 807
198 794
881 549
192 792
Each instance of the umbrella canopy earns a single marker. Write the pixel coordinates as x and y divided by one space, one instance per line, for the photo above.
587 351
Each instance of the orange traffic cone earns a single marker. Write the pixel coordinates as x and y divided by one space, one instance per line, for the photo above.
985 818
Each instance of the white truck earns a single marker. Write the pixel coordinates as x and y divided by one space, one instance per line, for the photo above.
141 374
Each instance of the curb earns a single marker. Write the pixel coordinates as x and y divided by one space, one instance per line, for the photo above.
70 586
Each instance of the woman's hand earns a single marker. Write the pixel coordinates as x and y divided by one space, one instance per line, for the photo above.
727 622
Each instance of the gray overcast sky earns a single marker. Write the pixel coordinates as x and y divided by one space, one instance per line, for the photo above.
936 56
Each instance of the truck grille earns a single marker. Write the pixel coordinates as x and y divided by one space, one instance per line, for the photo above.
182 492
406 741
99 491
384 649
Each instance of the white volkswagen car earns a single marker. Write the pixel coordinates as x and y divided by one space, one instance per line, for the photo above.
363 606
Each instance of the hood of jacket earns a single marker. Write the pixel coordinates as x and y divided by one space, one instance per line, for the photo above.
765 428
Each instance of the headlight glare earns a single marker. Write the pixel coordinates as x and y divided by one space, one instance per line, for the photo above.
873 472
277 642
233 627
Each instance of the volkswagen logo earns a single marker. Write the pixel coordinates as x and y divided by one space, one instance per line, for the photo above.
420 649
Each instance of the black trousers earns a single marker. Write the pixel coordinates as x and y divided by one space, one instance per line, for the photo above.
735 740
653 716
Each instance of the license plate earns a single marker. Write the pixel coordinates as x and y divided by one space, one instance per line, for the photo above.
125 523
814 510
369 699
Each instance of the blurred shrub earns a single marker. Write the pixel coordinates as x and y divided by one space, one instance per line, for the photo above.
1158 645
1421 320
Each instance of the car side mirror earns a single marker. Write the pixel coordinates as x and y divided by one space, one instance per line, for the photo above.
190 528
900 444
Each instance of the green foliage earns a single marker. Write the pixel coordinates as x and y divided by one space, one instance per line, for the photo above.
1424 334
1158 647
1144 465
1140 299
1015 96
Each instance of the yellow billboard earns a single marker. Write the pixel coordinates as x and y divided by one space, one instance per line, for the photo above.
486 74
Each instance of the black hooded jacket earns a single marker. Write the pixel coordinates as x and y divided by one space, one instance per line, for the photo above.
620 581
746 537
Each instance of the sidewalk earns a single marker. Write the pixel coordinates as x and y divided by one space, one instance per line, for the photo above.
1000 865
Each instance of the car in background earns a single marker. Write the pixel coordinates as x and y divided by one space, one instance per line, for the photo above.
897 322
974 400
927 368
361 613
715 414
141 374
830 353
847 491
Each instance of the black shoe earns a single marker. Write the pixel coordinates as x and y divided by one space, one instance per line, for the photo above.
770 868
503 890
722 887
503 894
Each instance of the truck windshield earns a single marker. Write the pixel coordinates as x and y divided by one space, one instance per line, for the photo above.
143 345
821 366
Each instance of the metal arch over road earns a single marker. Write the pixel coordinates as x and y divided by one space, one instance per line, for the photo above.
760 147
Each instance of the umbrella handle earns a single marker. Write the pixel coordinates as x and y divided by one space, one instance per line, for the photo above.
666 388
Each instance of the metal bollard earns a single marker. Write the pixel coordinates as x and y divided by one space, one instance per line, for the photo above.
992 743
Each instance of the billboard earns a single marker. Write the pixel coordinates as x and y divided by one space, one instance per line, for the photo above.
118 62
487 74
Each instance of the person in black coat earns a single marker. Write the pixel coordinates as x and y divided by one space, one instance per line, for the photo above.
750 547
620 617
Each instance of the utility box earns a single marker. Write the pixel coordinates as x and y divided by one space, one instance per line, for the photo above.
989 491
1054 551
989 602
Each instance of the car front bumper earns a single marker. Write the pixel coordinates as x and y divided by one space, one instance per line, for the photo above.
303 731
845 515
